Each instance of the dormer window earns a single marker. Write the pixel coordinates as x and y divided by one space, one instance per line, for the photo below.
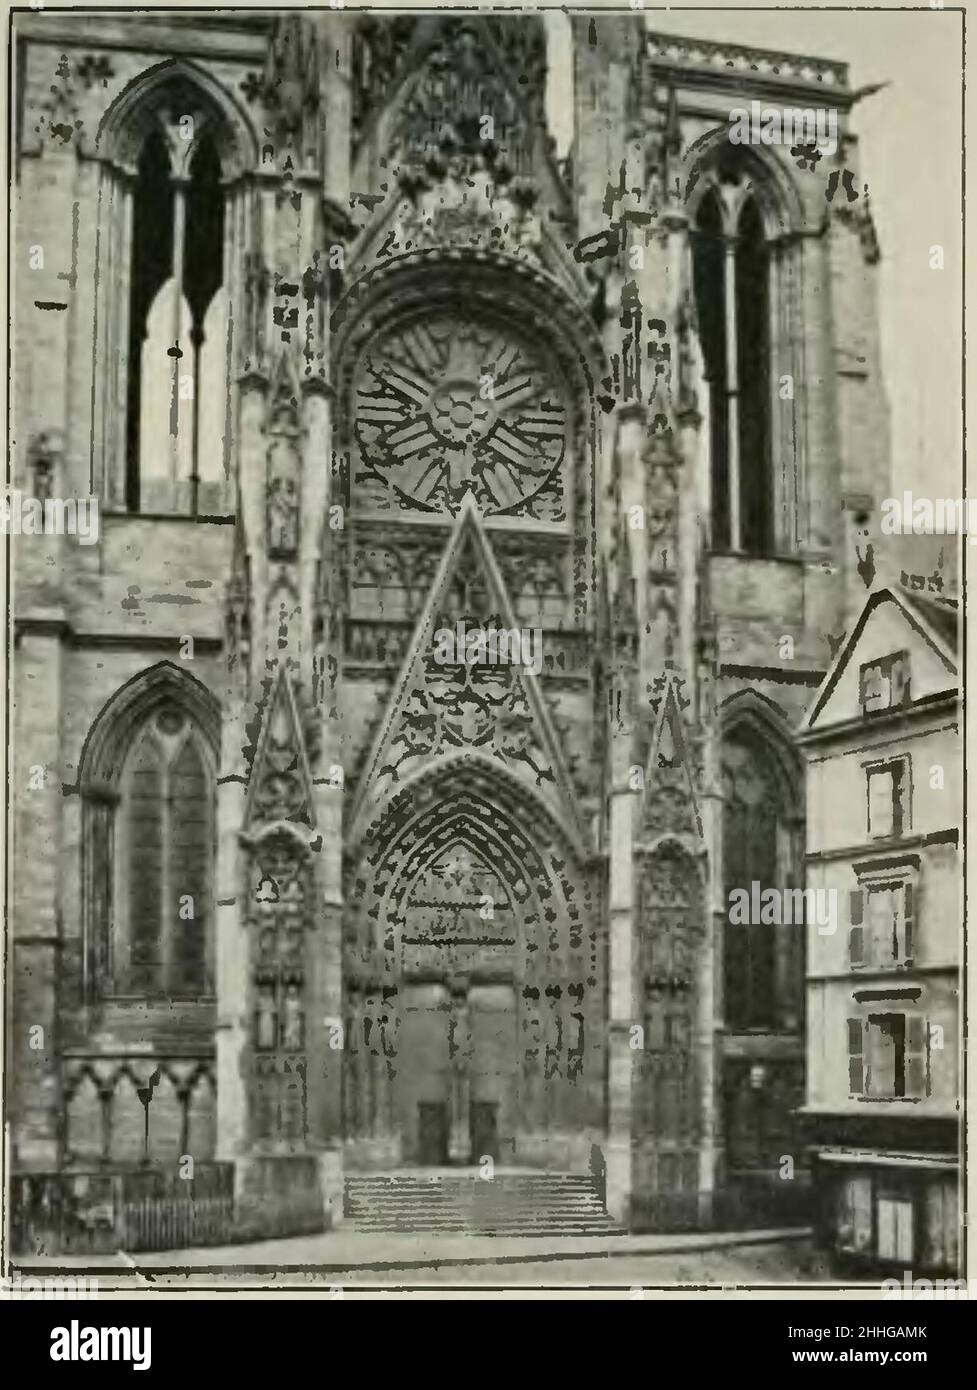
884 684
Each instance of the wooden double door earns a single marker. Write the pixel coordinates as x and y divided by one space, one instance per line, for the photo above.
457 1074
434 1132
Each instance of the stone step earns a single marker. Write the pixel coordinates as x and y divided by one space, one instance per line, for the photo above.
494 1199
462 1228
449 1213
571 1183
509 1203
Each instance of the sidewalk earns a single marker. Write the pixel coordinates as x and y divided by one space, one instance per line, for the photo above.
335 1252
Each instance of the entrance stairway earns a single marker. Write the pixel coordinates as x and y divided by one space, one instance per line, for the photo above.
453 1202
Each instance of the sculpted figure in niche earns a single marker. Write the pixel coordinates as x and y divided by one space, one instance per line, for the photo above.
266 1017
293 1019
283 516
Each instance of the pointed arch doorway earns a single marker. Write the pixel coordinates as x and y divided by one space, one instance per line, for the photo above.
471 983
456 1095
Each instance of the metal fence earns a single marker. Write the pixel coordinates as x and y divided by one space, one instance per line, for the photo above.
100 1212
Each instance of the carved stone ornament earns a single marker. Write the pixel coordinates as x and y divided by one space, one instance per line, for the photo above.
447 408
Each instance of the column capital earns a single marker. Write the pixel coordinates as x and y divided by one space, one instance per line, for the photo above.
318 385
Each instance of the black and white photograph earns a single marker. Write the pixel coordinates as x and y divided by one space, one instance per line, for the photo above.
485 536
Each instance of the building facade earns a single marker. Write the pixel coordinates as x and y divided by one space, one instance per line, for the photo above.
885 805
352 360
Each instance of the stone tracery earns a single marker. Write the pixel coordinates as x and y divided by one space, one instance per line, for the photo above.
442 429
447 406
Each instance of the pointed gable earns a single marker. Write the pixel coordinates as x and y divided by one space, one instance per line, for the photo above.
280 786
670 805
460 126
488 706
891 622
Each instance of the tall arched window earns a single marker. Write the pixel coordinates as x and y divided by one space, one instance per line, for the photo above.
174 209
165 850
148 782
709 261
753 380
762 849
732 269
177 329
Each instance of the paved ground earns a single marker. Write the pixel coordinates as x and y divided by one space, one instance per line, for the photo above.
344 1258
775 1263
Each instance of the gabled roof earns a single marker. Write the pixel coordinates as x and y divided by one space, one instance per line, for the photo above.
280 786
942 615
935 623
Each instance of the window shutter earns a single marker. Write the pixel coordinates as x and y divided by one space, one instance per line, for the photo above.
854 1214
893 943
908 912
886 1236
901 817
856 937
862 1205
938 1224
904 1232
917 1056
855 1082
894 1215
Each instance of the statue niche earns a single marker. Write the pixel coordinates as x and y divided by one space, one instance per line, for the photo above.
279 917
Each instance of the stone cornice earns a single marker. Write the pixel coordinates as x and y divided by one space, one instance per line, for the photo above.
234 37
738 62
896 722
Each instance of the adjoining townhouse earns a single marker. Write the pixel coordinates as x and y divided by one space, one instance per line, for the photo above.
884 806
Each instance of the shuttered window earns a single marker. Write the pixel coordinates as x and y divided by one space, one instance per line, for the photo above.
888 1056
881 917
917 1057
889 798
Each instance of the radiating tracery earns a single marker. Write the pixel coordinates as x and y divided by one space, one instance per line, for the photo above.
445 408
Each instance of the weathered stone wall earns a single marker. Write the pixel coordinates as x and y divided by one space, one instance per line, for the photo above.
650 619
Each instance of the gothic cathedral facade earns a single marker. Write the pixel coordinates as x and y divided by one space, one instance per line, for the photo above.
476 523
